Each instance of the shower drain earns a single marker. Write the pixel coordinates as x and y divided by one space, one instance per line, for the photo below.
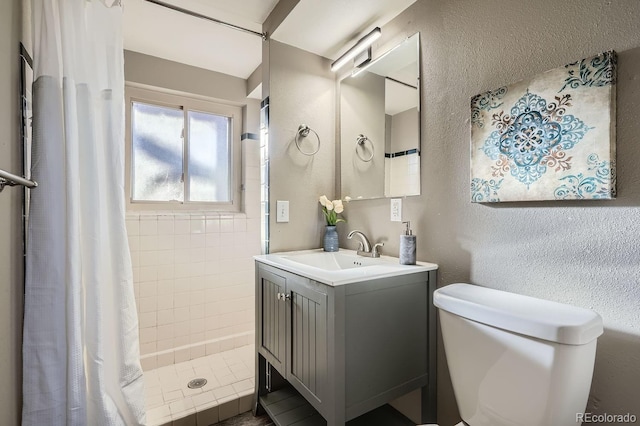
196 383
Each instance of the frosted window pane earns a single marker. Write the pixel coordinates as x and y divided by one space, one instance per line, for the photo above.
157 153
209 155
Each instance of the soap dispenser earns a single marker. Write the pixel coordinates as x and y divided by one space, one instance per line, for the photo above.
407 246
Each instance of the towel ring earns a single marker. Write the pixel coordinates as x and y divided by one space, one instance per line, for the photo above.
360 141
303 130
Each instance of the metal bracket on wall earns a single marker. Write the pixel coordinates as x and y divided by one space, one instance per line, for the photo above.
9 179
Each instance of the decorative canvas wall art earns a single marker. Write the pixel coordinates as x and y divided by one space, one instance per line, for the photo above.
550 137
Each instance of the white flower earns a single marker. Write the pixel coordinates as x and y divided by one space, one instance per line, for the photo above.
331 210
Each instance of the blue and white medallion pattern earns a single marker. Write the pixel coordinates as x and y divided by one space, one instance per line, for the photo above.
485 101
597 71
531 136
590 185
547 145
485 191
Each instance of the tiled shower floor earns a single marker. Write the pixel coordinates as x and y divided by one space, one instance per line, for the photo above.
230 383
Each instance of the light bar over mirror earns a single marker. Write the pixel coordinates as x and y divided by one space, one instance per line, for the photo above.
362 45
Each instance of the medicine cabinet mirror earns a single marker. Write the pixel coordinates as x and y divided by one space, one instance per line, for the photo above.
380 125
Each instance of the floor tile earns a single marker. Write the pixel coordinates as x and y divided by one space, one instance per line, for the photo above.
230 381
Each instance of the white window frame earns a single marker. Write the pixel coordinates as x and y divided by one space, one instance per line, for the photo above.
159 97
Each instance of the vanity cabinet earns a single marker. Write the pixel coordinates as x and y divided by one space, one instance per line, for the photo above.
328 354
294 330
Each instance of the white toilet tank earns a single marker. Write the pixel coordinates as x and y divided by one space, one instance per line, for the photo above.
517 360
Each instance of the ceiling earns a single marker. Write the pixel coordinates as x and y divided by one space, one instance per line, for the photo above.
330 27
157 31
324 27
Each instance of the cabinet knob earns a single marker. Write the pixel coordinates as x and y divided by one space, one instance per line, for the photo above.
284 296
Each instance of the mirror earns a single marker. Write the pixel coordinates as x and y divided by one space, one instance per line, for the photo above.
380 126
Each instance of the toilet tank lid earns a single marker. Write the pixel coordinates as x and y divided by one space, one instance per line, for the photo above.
543 319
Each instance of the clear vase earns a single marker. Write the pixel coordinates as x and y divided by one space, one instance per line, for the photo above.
330 238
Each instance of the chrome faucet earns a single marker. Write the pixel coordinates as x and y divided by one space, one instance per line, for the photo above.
364 246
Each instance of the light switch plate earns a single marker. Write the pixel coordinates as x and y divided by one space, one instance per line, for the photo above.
282 214
396 210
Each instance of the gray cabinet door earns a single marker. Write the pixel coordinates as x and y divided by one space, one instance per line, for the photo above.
272 289
307 347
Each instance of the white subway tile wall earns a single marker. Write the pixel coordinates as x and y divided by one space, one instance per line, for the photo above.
403 175
194 275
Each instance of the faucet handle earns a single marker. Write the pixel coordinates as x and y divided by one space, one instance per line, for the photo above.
375 252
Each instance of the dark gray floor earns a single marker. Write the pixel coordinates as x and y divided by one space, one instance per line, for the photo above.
384 415
247 419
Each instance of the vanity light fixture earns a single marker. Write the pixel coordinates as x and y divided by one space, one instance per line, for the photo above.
366 65
359 47
362 68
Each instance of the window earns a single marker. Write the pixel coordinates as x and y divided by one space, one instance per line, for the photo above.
183 153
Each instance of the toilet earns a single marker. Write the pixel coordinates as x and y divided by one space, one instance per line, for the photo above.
517 360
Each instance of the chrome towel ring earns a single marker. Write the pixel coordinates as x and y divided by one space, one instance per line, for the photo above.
303 131
360 141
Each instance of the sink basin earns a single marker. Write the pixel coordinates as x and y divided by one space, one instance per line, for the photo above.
341 267
334 261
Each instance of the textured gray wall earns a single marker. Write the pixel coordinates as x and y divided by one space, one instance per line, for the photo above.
158 72
161 73
302 91
583 253
11 281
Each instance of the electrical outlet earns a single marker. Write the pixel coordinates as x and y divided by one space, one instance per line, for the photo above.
282 214
396 210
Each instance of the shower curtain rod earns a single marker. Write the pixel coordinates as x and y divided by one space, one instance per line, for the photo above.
208 18
10 179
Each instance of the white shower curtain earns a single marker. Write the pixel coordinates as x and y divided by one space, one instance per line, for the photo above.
80 351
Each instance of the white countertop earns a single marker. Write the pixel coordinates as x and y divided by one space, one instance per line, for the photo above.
341 267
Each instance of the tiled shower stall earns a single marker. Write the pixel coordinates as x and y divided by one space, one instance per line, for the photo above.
194 277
